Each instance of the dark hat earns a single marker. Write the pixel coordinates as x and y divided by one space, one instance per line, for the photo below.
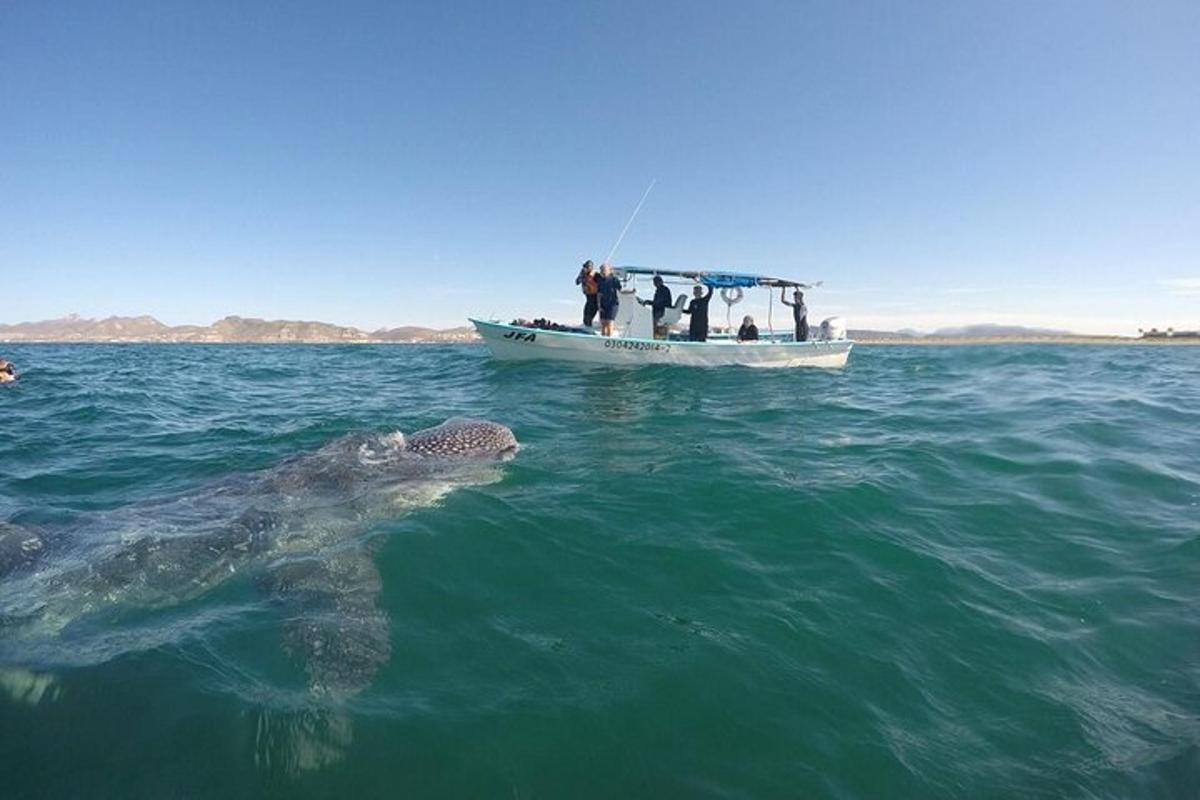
588 263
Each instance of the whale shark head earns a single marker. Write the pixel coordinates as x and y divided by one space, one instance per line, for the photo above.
461 437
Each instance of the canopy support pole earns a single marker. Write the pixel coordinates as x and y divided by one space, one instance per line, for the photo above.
770 311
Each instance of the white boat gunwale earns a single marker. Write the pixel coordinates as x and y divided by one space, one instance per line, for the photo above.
508 342
673 342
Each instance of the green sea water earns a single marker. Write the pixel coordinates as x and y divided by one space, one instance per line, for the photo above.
940 572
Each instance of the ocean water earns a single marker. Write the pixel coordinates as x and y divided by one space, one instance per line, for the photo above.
941 572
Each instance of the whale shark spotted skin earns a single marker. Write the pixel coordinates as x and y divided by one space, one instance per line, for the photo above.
297 528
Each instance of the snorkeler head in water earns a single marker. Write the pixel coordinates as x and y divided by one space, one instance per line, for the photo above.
7 372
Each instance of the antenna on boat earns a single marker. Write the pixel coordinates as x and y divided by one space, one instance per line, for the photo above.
632 216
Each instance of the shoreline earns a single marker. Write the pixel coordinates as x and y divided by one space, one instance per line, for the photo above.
948 341
1001 340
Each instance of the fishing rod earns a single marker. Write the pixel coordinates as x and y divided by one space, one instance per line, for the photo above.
632 216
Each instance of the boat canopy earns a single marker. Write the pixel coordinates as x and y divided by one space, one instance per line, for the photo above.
717 278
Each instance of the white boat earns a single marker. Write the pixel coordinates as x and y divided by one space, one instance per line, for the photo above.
634 342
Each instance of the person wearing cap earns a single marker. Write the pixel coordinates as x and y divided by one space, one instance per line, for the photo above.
7 373
586 280
749 331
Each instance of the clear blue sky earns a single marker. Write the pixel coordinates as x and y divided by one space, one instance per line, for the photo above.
385 163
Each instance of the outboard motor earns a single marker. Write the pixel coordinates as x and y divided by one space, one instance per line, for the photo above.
832 329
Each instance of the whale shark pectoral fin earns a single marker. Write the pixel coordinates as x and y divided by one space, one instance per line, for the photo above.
333 622
289 743
29 688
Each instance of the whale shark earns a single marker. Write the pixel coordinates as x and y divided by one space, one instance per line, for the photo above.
298 530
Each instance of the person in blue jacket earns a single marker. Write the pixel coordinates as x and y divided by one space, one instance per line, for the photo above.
608 287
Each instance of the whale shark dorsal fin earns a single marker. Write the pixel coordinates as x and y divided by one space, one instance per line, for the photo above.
332 620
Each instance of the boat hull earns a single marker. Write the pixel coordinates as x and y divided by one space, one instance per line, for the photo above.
514 343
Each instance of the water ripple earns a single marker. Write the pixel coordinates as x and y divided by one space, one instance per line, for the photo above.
940 572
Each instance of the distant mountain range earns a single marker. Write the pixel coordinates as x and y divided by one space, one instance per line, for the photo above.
74 328
989 330
983 331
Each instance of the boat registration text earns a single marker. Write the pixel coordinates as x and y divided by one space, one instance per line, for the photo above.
619 344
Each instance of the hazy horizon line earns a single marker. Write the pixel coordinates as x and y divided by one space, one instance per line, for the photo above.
895 328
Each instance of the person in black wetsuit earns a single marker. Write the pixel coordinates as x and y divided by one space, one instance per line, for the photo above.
660 303
607 288
799 313
698 310
749 331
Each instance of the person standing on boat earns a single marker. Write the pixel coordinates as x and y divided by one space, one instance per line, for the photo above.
799 313
749 331
661 302
698 309
608 287
586 280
